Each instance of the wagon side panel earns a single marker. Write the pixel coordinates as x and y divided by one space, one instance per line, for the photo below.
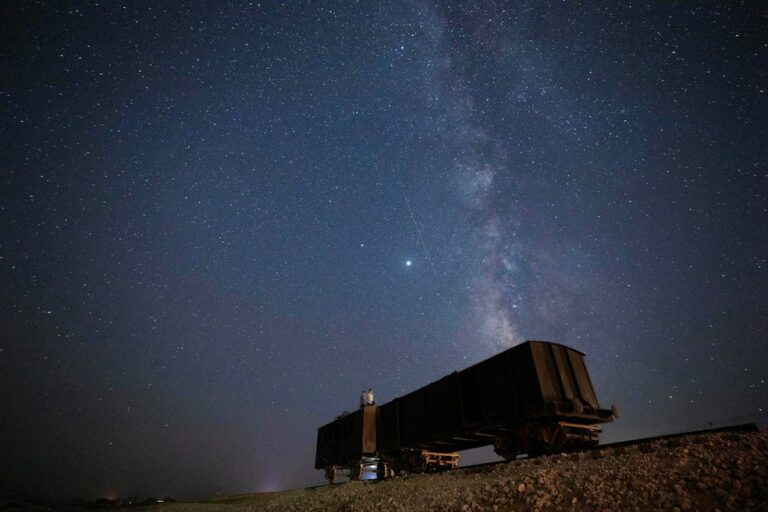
525 380
583 383
442 407
411 419
387 431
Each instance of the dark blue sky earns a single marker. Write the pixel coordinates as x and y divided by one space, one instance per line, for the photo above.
208 211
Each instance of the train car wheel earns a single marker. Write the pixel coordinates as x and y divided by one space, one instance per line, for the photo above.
381 470
550 439
505 447
355 471
415 463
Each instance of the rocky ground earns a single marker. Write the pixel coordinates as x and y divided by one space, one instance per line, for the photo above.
724 471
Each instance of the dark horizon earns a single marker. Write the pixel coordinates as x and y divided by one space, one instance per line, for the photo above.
220 223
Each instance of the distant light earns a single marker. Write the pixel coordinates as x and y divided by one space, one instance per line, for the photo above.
269 487
408 263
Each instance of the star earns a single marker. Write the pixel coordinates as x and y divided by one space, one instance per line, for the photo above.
408 263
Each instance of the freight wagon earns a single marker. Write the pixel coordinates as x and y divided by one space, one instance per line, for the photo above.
534 398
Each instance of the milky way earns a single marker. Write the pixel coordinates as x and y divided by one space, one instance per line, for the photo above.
220 223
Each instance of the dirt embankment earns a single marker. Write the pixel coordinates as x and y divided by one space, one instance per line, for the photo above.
725 471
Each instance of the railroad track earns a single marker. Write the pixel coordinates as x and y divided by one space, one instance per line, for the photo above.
487 466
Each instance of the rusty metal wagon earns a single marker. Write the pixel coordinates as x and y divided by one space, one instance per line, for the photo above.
534 398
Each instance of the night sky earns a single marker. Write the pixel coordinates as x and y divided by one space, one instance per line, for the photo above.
220 221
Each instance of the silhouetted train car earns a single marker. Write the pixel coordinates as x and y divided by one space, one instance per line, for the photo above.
347 442
533 398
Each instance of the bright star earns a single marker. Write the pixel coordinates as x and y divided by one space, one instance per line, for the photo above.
408 263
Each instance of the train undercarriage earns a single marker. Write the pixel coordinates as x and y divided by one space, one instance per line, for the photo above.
546 439
531 439
407 461
421 461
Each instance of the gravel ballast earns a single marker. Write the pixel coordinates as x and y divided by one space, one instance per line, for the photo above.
723 471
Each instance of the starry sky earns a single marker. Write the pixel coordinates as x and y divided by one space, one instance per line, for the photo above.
219 221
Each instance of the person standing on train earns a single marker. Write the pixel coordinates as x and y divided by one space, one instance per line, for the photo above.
370 398
363 399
